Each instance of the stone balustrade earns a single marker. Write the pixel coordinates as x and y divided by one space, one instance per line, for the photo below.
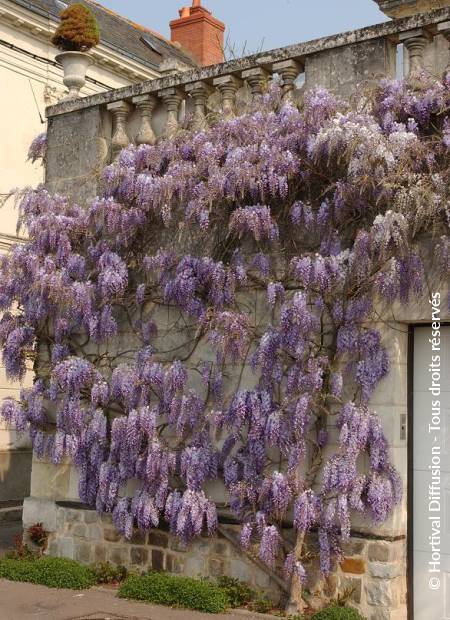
145 112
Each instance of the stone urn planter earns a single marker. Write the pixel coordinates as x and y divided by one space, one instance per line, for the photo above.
75 66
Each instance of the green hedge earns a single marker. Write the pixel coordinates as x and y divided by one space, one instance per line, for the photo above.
50 572
175 591
338 613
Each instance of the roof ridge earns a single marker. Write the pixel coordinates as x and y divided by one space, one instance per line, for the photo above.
133 24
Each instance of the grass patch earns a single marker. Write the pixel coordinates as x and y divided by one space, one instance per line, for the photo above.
338 613
175 591
50 572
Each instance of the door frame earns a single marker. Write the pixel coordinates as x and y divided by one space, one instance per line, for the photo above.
410 465
410 474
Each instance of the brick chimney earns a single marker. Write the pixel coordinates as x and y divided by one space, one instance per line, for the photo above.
404 8
199 33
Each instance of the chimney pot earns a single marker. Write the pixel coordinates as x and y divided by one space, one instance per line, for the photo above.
199 33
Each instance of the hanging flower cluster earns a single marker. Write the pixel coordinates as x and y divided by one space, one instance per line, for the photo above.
208 318
38 148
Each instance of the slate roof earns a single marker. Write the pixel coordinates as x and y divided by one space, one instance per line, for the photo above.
117 32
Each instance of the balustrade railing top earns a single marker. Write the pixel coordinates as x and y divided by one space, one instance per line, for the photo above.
144 112
396 31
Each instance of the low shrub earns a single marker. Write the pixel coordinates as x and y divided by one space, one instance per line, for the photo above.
175 591
262 604
338 613
105 572
38 535
78 30
238 592
20 550
50 572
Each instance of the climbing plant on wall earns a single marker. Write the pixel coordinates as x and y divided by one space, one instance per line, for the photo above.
208 326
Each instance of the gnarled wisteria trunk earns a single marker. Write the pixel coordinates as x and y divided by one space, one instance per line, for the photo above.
205 331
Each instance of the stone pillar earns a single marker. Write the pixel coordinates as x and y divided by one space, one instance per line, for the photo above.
199 91
145 105
415 41
172 98
228 85
444 30
120 111
345 70
289 71
255 79
78 145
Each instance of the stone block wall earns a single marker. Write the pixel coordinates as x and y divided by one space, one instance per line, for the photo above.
82 534
371 574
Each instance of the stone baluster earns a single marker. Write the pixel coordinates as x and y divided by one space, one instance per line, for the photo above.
228 85
415 41
172 98
199 91
120 111
444 29
255 78
145 105
289 71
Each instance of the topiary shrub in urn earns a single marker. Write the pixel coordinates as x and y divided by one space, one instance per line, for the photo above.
77 33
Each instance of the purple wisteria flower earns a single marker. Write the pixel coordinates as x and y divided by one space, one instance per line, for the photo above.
211 320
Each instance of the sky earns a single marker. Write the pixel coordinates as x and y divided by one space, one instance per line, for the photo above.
256 25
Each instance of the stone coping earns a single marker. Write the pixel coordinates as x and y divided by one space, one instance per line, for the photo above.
264 59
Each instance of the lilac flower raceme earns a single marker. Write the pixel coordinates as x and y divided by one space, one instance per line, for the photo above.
255 220
38 148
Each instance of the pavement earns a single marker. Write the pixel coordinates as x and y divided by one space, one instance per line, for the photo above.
24 601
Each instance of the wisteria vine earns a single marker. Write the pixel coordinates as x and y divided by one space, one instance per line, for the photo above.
205 327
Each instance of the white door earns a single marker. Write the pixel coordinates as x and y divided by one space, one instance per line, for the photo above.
431 477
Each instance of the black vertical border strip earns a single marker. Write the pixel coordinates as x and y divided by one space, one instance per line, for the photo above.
410 473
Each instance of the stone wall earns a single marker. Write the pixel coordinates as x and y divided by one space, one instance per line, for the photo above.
373 571
81 534
371 574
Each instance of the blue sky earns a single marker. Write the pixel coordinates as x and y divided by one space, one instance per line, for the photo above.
260 24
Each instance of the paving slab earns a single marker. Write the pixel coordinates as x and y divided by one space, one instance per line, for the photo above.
24 601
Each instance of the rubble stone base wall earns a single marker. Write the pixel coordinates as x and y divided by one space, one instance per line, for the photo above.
372 572
82 534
